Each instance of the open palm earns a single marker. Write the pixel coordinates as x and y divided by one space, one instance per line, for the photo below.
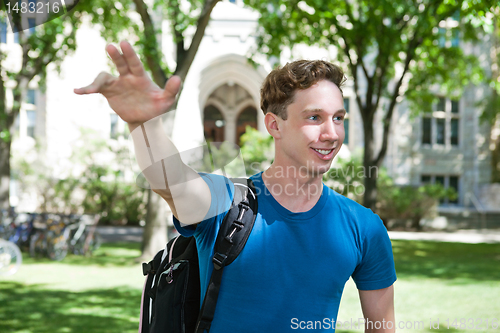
132 95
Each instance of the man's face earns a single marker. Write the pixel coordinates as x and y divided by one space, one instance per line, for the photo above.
314 131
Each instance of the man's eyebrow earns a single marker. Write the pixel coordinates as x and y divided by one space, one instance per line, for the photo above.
321 110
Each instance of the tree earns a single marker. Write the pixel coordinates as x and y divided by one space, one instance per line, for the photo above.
45 45
392 49
181 17
491 112
52 41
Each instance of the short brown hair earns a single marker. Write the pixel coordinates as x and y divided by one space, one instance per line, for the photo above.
278 89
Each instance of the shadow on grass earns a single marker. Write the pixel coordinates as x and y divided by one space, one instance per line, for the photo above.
450 261
31 309
109 254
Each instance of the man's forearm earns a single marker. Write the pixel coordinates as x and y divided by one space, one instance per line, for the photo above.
161 164
152 146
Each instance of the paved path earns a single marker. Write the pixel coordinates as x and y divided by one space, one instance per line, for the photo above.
134 234
120 234
460 236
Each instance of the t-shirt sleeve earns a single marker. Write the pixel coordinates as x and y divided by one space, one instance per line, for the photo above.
376 268
221 190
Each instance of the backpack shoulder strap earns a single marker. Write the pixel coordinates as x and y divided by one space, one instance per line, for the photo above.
232 237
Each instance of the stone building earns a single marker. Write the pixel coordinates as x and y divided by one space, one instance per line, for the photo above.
221 97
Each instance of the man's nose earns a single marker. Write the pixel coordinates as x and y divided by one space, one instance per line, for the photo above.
329 131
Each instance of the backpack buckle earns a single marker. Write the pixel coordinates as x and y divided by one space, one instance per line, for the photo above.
219 260
148 268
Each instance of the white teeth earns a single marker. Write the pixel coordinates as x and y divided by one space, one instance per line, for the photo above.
323 151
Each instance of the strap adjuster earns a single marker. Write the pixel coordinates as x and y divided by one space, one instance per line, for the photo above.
219 260
148 268
203 325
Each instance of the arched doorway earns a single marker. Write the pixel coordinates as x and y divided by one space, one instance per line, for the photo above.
213 124
247 117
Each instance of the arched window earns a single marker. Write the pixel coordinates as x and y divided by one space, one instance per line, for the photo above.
213 124
247 117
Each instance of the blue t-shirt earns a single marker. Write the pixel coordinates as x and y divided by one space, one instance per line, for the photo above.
294 265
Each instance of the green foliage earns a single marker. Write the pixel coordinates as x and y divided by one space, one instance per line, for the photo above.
391 50
92 181
346 177
377 36
394 201
409 202
257 150
254 155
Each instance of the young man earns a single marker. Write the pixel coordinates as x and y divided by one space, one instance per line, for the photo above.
307 240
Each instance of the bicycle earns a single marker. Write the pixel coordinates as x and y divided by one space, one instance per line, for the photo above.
10 257
60 234
48 238
84 240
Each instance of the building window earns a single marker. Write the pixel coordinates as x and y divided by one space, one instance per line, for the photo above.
447 182
442 126
426 130
3 31
247 117
31 96
30 127
346 121
213 124
113 130
448 31
31 25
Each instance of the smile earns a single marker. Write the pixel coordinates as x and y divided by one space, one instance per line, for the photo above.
324 151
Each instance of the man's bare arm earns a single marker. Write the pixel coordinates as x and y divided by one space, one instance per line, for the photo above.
140 102
378 310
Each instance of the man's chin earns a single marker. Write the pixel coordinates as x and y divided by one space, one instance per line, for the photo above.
318 170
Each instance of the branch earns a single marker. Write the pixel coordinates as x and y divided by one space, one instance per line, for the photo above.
354 71
152 58
387 119
184 64
354 67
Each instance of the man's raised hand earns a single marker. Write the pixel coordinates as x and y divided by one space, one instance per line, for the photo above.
132 95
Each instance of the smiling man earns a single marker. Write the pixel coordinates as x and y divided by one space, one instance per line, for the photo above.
307 240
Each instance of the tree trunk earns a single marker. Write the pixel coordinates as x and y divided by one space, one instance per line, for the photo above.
155 232
5 145
495 153
369 165
158 213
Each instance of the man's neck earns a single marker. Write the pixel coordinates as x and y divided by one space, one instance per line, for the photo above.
296 191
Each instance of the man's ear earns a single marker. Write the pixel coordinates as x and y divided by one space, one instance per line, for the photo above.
272 122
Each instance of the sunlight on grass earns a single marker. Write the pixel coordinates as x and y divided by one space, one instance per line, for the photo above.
101 294
447 281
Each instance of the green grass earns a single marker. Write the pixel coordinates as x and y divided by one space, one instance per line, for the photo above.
102 294
445 281
79 295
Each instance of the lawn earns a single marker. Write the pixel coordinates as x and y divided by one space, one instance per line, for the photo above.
445 281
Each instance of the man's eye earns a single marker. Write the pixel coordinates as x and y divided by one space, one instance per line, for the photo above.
338 118
313 117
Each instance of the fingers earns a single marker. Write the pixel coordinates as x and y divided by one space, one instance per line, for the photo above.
101 81
172 86
118 59
133 62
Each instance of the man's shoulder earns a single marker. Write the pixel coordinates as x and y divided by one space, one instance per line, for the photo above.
346 202
354 213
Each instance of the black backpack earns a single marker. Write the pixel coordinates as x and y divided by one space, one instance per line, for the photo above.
171 296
